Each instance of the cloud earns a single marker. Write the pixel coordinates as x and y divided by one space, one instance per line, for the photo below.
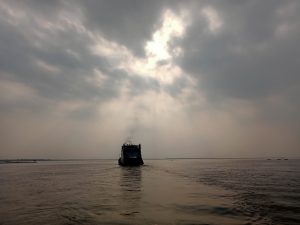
192 79
214 21
246 59
128 22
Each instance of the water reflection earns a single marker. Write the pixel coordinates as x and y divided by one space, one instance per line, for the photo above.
131 190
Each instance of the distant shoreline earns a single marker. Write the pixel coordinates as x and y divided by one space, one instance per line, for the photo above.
7 161
10 161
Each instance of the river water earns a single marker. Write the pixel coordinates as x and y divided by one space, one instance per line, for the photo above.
186 191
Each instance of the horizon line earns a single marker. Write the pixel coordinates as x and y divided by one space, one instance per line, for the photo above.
164 158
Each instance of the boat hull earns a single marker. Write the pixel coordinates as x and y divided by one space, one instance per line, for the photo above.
130 162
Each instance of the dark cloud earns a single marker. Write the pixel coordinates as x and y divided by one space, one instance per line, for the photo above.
129 22
28 48
249 57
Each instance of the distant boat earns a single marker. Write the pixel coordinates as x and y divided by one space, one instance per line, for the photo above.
131 155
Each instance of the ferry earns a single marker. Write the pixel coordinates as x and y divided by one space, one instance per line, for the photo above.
131 155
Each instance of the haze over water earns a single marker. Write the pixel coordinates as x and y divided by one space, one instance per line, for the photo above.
191 191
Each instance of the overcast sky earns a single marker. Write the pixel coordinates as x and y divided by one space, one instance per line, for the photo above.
183 78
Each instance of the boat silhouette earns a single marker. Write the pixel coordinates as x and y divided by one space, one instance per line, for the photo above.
131 155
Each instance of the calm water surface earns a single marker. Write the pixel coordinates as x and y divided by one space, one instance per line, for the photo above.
161 192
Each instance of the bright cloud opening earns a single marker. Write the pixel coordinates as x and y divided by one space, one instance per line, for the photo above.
157 50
